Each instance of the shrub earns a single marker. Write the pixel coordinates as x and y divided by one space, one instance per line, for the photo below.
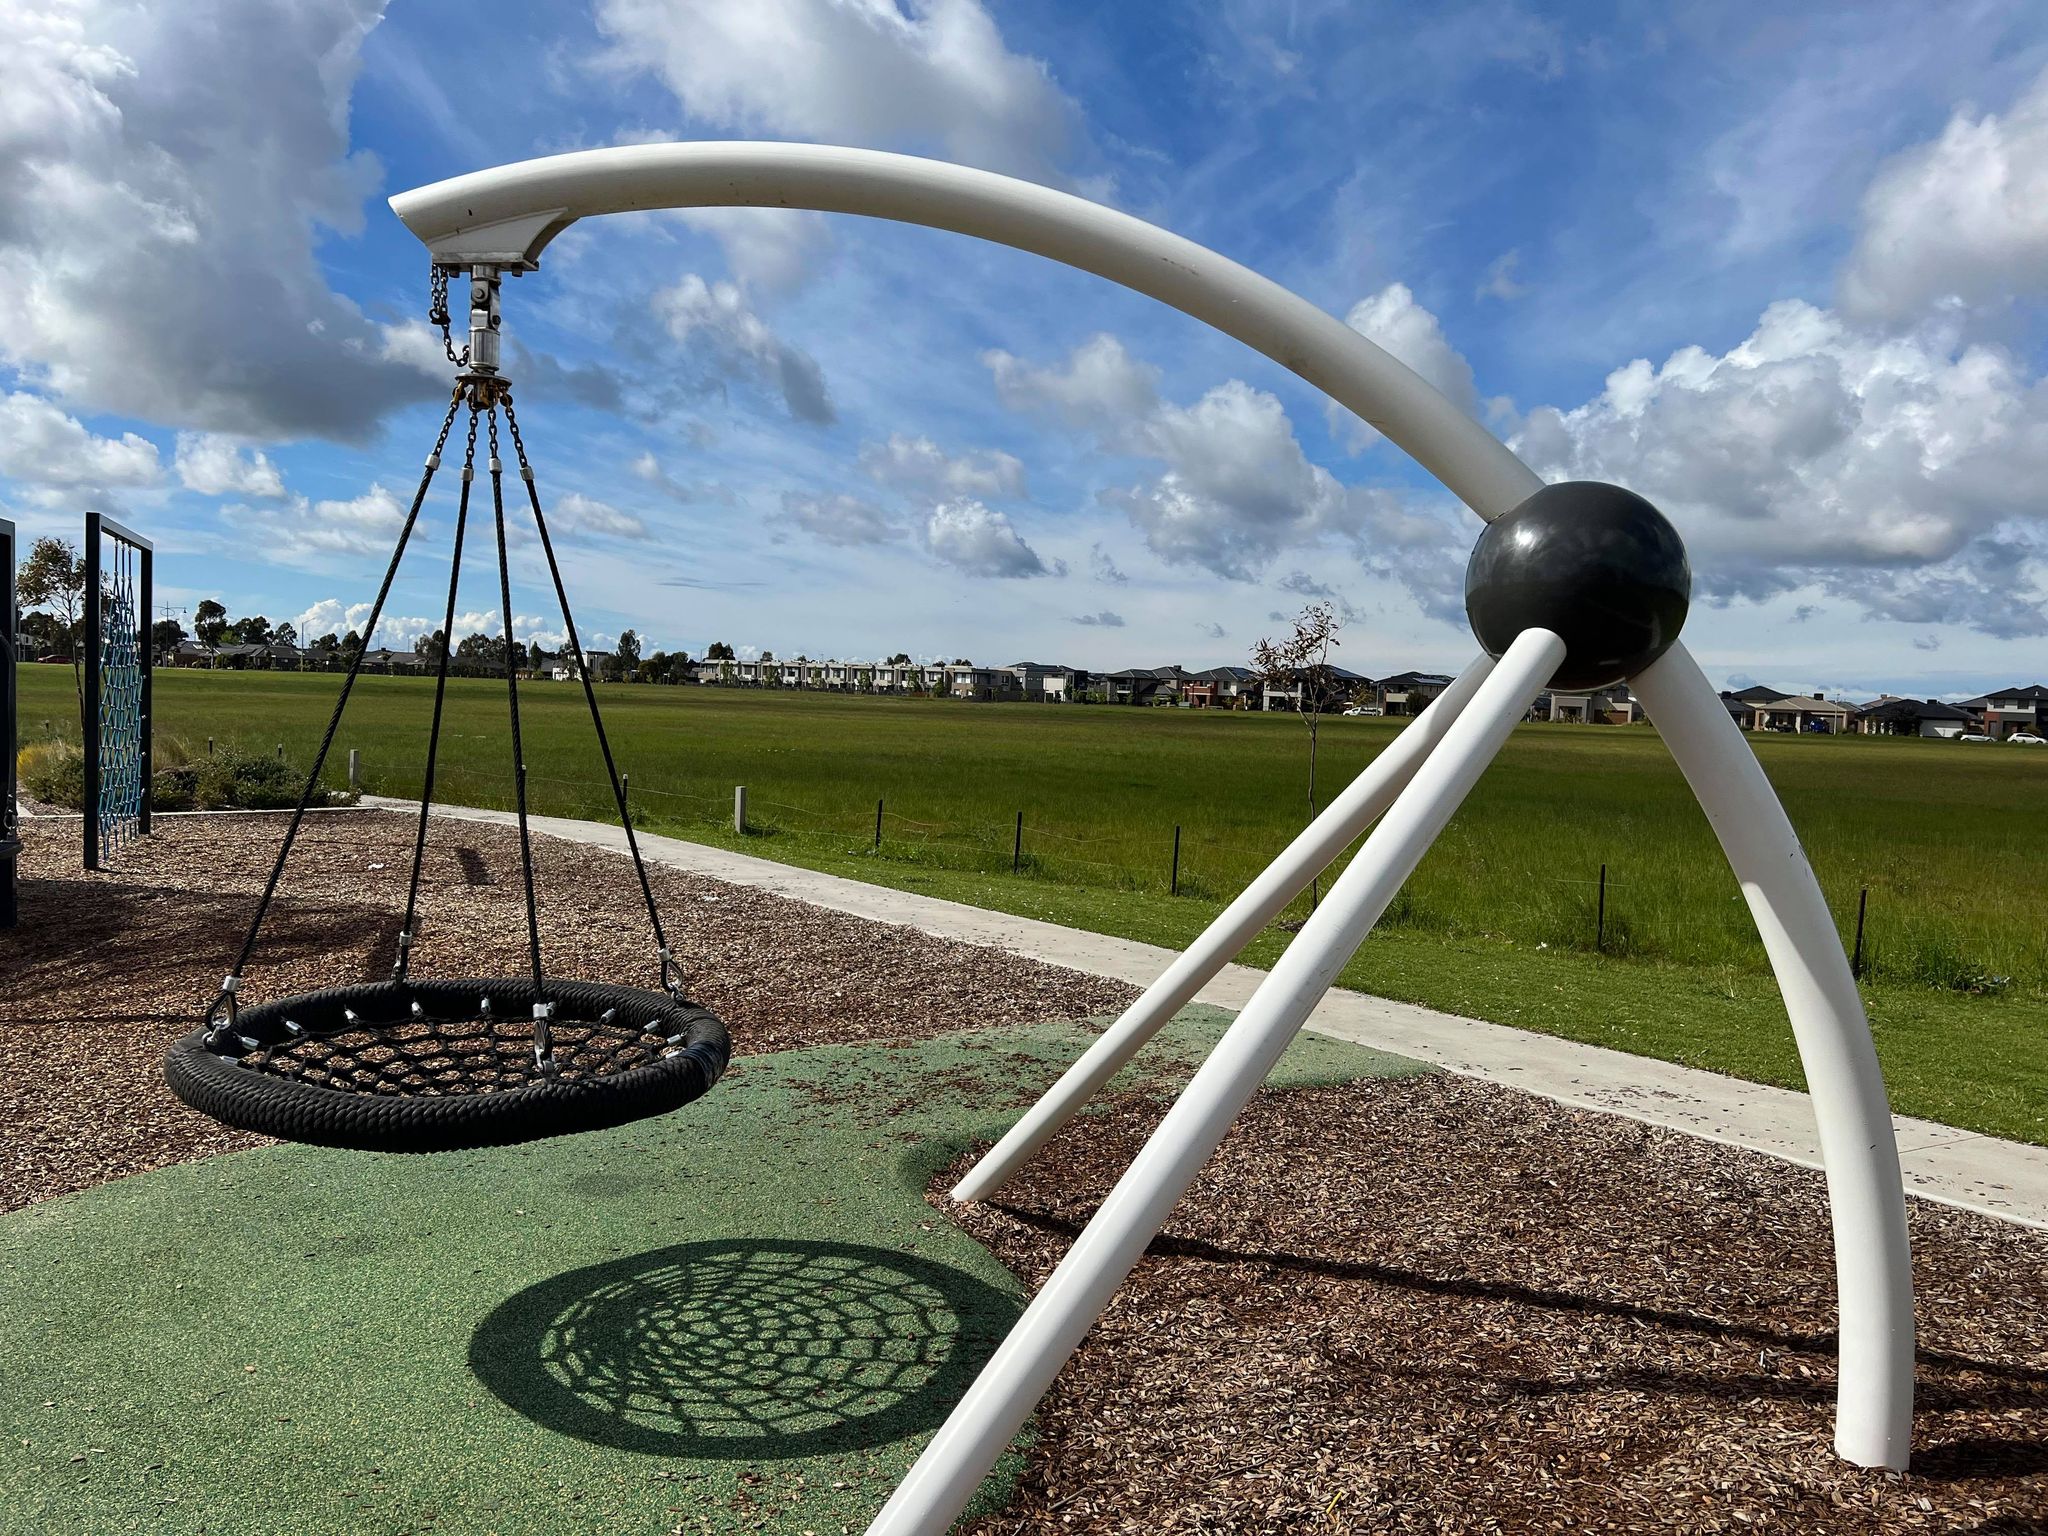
235 781
54 773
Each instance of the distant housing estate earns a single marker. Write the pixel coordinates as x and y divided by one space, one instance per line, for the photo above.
2000 714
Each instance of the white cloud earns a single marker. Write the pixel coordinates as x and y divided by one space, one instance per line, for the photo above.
918 464
214 466
1962 219
738 343
311 534
846 521
769 250
1905 474
972 538
1395 322
932 74
166 173
41 445
584 514
1237 487
1101 384
1500 281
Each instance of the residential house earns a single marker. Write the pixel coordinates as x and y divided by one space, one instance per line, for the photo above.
1408 693
1615 705
1341 684
965 680
1222 688
2008 711
1042 682
1788 712
1890 716
1146 685
275 656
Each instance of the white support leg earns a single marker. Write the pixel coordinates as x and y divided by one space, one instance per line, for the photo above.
1873 1267
1257 905
945 1477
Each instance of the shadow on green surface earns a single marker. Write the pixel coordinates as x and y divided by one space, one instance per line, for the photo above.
742 1350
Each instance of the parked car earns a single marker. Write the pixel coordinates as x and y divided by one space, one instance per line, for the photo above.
1973 736
2027 739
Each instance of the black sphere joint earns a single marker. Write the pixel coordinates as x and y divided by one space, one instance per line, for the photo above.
1596 565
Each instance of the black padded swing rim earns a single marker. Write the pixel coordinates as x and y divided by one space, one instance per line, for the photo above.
293 1109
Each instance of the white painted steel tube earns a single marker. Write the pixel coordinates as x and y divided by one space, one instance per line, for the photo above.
1873 1263
945 1477
1239 923
509 214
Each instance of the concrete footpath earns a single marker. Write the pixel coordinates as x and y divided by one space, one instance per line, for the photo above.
1983 1173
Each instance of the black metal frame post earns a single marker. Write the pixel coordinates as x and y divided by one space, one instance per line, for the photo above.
99 527
10 827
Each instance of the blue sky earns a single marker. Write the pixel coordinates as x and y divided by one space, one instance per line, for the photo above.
1782 271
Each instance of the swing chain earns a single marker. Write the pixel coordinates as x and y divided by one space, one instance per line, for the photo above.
437 314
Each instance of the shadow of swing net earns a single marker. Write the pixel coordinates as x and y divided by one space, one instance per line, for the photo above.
741 1349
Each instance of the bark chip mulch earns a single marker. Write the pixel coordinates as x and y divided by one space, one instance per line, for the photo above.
105 970
1432 1305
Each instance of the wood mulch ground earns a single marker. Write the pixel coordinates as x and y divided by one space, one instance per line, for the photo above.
105 970
1432 1305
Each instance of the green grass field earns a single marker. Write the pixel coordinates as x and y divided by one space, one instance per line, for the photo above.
1499 922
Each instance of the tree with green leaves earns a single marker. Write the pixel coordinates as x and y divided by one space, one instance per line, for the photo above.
628 651
720 651
210 621
53 578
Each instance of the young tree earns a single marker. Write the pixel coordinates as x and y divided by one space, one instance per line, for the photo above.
53 577
351 645
1301 662
165 636
628 650
210 621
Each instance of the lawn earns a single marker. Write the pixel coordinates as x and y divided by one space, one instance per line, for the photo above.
1499 922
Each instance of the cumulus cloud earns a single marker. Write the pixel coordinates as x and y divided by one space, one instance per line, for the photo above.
1100 385
166 173
310 534
1103 620
770 250
932 74
734 342
1961 220
42 446
214 465
1395 322
846 521
1903 474
585 514
918 464
971 537
1237 488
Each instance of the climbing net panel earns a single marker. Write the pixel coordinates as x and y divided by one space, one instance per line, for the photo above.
10 835
118 589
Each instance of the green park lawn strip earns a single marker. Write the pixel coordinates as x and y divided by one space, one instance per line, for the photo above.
1499 922
739 1317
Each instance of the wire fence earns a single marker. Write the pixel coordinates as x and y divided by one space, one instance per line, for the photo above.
1634 907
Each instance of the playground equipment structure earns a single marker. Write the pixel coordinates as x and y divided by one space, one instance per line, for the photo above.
1575 583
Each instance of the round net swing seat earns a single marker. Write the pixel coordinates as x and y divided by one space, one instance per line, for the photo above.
436 1066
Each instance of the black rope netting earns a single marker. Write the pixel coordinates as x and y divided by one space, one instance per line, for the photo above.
415 1065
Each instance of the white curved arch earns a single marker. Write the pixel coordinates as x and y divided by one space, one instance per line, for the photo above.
507 216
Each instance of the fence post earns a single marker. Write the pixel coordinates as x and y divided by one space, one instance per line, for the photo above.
280 751
626 792
1600 929
878 824
739 809
355 771
209 746
1856 960
1017 849
1174 889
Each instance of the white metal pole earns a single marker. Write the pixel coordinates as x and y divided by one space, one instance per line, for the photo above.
1873 1263
1257 905
945 1477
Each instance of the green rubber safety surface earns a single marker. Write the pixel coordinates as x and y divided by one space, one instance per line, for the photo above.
741 1316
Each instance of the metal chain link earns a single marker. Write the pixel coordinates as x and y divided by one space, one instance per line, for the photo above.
437 314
